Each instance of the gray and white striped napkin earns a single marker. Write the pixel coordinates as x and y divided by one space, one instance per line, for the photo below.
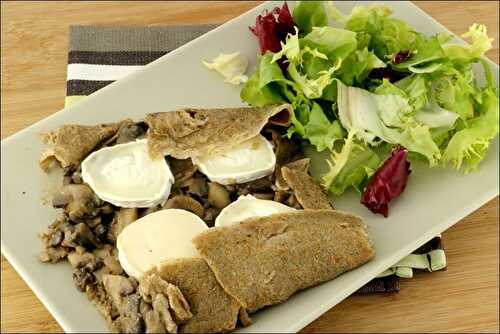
99 56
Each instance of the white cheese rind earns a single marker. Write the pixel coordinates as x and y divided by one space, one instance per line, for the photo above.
125 175
247 207
157 237
245 162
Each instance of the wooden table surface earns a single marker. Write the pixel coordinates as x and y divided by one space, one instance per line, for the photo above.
34 53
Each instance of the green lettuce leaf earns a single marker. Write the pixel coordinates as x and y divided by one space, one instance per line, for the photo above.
480 44
415 87
270 71
425 55
434 116
333 42
352 166
454 89
309 14
258 96
266 85
386 87
312 88
467 147
290 49
384 117
383 34
358 65
320 131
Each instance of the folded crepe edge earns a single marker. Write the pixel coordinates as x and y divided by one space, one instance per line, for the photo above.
277 115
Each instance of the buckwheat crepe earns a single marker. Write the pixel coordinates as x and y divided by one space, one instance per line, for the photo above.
263 261
70 144
189 133
307 191
213 309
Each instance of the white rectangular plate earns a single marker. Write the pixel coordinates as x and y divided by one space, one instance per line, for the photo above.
434 199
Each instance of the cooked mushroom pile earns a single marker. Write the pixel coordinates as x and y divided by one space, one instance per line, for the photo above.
87 231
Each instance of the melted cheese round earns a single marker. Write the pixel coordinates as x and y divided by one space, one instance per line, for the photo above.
245 162
159 236
247 207
125 175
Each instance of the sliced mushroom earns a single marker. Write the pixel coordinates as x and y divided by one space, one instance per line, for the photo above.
130 319
101 232
85 237
151 285
87 261
76 178
67 180
52 241
178 303
54 238
285 148
281 196
292 201
117 286
98 296
231 187
210 214
152 320
107 209
218 196
197 186
279 182
110 262
126 301
260 185
93 222
161 306
53 254
149 210
265 196
78 201
182 169
187 203
123 218
82 278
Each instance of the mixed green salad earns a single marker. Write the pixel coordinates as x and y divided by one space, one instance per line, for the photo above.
376 93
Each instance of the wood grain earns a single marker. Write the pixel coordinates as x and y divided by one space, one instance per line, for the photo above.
34 54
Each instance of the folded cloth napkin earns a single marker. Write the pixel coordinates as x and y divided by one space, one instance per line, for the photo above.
100 55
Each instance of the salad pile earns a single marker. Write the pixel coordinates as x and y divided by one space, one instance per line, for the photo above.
376 93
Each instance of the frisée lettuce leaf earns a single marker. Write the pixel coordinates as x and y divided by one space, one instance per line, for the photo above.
350 167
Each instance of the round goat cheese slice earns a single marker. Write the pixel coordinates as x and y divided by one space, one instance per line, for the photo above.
247 207
245 162
157 237
126 176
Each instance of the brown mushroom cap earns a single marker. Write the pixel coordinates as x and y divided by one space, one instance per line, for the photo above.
187 203
218 195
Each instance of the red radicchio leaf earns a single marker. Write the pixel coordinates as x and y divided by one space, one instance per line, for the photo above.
271 28
388 182
386 73
401 56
